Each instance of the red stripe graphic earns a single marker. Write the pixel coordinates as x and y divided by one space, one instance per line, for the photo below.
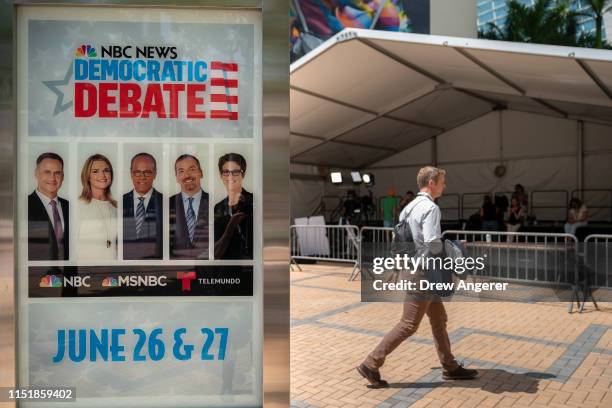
223 114
228 83
224 66
224 98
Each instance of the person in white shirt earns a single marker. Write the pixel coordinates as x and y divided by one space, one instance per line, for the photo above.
48 214
577 216
96 212
424 220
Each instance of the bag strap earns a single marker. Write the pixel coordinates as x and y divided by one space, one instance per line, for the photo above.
414 204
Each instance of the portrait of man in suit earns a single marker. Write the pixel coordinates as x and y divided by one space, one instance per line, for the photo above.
48 214
189 212
143 212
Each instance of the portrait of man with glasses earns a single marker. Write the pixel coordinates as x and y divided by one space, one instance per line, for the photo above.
234 214
143 213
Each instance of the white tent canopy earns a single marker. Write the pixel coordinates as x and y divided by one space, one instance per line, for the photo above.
364 96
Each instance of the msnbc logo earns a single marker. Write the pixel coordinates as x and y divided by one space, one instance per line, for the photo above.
110 282
50 281
86 51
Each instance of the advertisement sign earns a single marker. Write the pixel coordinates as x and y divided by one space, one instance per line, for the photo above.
139 205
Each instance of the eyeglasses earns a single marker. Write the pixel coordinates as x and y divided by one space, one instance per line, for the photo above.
146 173
235 173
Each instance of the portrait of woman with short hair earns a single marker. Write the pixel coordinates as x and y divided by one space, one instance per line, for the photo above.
234 214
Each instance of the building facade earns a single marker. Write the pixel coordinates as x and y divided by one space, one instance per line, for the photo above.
496 11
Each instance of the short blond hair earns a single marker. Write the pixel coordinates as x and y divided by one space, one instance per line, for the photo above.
429 173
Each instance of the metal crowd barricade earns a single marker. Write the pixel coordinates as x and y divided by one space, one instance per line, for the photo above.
598 259
522 256
372 236
334 243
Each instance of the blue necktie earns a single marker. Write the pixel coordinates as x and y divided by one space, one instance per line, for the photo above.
140 216
191 219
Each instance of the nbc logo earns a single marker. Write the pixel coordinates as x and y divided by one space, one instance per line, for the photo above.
86 50
110 282
50 281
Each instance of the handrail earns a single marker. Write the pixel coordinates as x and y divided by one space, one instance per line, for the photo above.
533 205
458 206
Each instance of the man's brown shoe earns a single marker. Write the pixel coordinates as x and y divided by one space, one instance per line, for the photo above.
372 376
459 373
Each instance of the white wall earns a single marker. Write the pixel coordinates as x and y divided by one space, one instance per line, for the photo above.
598 166
305 193
396 175
454 18
539 152
608 25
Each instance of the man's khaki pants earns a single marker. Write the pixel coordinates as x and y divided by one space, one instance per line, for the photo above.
414 309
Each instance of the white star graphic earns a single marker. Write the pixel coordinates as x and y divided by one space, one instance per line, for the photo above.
68 50
41 376
84 376
234 312
109 390
114 37
40 334
176 309
148 325
129 315
75 34
43 57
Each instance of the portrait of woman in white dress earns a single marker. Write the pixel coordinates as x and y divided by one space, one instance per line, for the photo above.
97 212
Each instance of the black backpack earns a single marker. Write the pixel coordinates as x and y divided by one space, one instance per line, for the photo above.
403 241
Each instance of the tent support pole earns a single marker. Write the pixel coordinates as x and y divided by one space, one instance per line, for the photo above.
580 156
434 151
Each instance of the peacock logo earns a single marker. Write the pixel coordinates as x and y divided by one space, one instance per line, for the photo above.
110 282
86 50
50 281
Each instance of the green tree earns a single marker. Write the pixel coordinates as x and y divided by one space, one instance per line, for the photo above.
546 22
598 9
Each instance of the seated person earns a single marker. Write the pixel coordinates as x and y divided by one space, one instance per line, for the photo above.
520 194
516 217
577 216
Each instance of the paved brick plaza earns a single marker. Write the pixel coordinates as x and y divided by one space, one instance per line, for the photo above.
529 355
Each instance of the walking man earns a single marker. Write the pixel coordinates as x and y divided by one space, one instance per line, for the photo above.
424 220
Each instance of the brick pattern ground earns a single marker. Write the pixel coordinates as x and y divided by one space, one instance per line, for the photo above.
528 355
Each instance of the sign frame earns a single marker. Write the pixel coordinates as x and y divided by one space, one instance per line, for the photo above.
275 180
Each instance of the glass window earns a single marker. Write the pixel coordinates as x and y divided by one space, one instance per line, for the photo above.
487 17
484 6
